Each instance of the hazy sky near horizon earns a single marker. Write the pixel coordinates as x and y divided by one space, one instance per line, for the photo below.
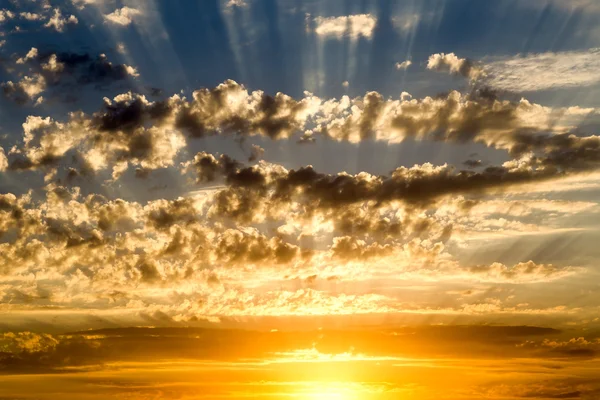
290 194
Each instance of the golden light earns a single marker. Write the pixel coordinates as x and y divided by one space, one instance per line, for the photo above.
329 391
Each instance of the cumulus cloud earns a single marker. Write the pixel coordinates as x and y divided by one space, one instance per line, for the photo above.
70 250
58 22
31 55
123 16
318 223
452 64
256 153
29 16
353 26
403 65
540 148
54 70
6 15
25 90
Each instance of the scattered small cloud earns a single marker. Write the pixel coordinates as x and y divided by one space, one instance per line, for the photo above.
24 90
5 15
403 65
450 63
32 54
236 3
29 16
352 26
58 22
256 153
122 16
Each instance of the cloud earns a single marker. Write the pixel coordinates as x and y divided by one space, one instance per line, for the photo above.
62 70
352 26
540 147
58 22
403 65
3 160
531 72
256 153
81 4
6 15
31 55
544 71
521 272
451 63
29 352
28 342
473 163
236 3
26 90
178 260
123 16
29 16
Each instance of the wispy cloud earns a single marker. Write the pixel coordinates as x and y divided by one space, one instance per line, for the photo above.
544 71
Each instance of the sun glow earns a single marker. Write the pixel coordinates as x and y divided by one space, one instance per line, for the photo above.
333 391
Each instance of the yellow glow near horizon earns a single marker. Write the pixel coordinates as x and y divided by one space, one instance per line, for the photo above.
329 391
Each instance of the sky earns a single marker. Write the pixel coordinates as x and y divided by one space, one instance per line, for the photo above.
299 199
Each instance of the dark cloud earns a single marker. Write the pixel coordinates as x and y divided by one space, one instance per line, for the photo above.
59 73
417 185
473 163
256 153
27 352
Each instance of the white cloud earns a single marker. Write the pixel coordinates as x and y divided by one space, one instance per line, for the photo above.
33 53
351 25
53 65
82 3
27 88
236 3
58 22
545 71
6 15
3 160
403 64
122 16
450 63
131 71
31 16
